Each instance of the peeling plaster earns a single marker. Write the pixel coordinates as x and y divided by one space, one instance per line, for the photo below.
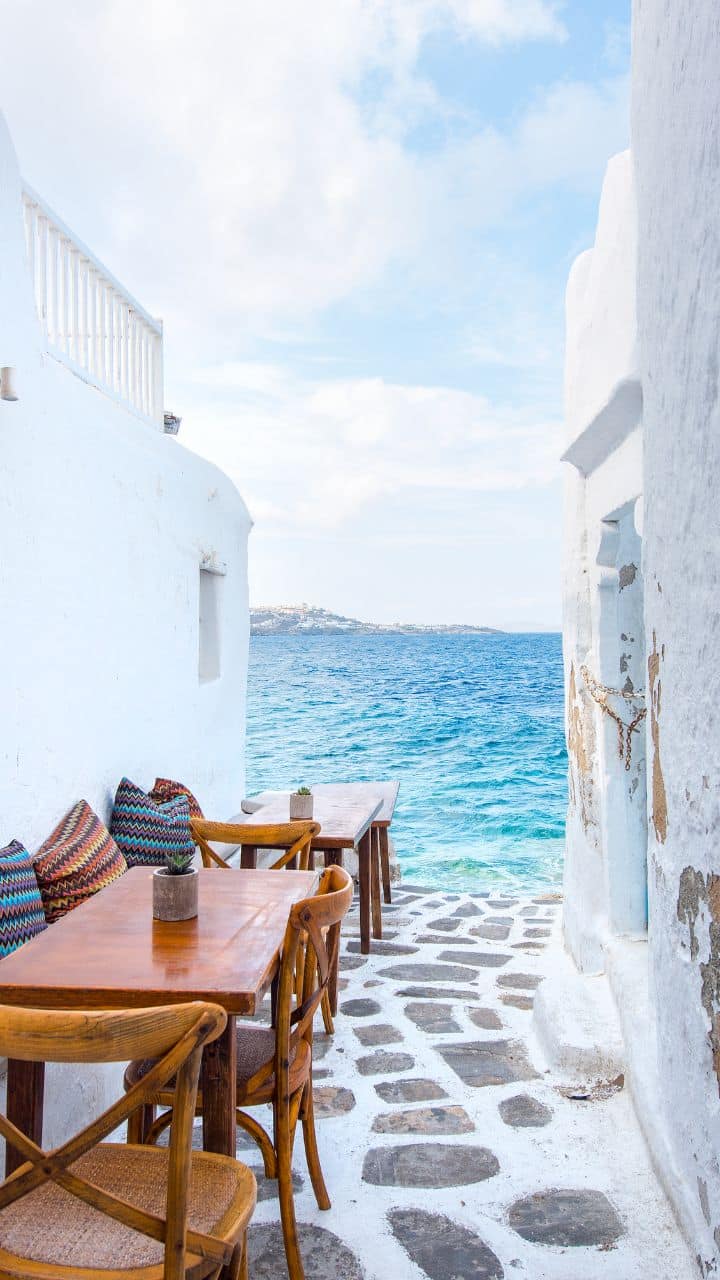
659 797
627 575
581 749
696 891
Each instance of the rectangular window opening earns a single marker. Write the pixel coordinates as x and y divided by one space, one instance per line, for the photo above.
209 626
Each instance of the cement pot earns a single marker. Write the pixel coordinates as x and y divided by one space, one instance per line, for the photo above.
175 897
300 806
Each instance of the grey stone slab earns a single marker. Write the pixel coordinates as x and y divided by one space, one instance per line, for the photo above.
441 940
502 904
467 909
498 920
548 898
416 1090
431 1121
321 1044
362 1008
518 1001
438 993
377 1033
443 1249
444 925
537 933
352 962
421 889
384 1064
432 1016
383 948
332 1100
420 972
267 1188
480 959
523 1112
486 1019
488 1062
567 1219
324 1255
519 981
428 1164
491 932
372 982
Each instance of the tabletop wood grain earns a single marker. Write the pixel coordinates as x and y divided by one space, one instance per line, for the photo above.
111 953
343 818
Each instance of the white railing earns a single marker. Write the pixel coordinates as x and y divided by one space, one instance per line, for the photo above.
91 323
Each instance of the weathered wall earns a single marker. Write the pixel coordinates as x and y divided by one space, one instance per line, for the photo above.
676 147
104 523
604 447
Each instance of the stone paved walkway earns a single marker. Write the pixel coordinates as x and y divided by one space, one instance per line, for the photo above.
449 1150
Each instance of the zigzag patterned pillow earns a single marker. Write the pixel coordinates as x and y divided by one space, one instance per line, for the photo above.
165 789
79 858
146 831
21 909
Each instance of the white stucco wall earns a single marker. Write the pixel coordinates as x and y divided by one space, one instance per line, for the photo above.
676 148
604 447
104 524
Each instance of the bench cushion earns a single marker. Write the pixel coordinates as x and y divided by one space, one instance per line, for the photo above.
21 909
165 789
145 831
78 859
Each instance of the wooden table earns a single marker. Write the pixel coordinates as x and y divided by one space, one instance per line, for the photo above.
342 810
111 954
344 824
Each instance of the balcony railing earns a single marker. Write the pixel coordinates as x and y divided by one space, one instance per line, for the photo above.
91 323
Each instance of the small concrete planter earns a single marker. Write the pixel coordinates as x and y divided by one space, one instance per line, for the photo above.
175 897
300 806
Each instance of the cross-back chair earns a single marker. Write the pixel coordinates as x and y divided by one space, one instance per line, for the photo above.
274 1064
297 836
100 1209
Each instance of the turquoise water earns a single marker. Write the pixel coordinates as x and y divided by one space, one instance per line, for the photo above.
472 726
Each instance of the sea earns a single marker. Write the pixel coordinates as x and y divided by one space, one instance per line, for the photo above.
472 725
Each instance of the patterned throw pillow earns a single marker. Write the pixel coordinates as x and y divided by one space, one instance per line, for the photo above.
146 831
79 858
21 908
165 789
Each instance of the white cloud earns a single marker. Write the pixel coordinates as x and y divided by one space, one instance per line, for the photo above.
232 162
313 455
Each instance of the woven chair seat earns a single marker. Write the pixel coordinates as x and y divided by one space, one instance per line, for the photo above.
51 1226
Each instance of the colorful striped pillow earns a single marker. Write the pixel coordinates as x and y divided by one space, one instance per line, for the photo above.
146 831
165 789
79 858
21 909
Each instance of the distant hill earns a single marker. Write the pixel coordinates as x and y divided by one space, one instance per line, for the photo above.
272 620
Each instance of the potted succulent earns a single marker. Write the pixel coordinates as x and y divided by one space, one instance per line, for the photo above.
301 803
175 888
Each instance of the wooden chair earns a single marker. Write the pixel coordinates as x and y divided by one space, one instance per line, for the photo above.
275 1063
294 837
298 836
109 1210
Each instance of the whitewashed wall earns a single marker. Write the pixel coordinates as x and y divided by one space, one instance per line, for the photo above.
104 525
676 146
604 447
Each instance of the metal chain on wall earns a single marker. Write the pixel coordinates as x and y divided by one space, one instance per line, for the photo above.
600 694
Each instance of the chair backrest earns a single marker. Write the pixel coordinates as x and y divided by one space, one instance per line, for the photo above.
295 838
175 1035
308 954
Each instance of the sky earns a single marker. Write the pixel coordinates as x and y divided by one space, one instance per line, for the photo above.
356 219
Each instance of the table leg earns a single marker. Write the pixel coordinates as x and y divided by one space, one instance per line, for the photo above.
25 1099
385 862
364 859
333 857
218 1081
248 858
375 882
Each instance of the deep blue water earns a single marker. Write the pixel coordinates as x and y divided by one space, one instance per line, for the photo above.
472 726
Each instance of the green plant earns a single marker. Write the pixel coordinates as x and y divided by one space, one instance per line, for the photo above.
303 791
178 864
